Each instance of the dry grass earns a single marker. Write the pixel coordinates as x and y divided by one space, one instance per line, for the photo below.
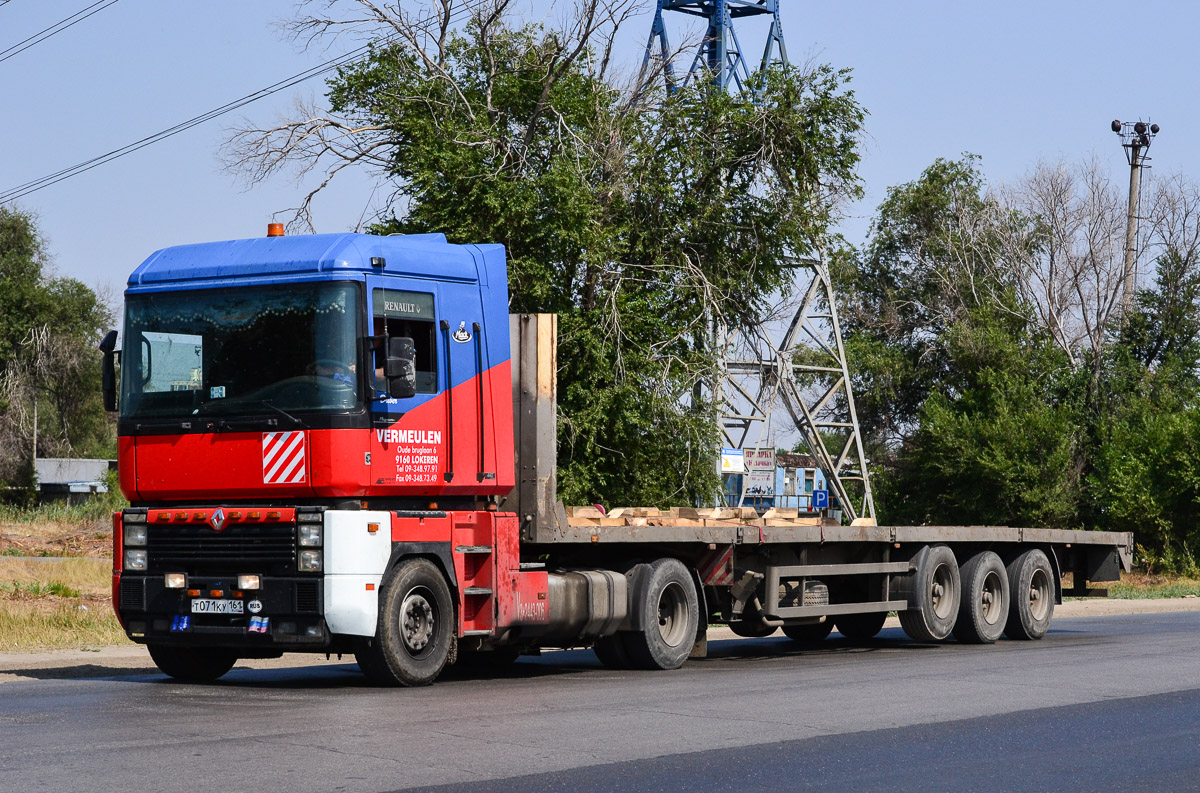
92 539
1144 585
27 625
54 604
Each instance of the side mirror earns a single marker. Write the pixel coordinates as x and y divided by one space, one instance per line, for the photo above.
400 367
108 370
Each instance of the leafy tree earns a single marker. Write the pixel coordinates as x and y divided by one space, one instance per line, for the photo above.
48 366
998 438
1146 473
643 222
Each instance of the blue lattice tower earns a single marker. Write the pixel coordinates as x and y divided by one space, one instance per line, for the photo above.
719 57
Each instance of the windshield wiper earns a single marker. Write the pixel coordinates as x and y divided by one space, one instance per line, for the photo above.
295 421
206 409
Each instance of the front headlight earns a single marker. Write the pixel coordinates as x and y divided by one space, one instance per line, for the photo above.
135 560
310 534
310 561
135 534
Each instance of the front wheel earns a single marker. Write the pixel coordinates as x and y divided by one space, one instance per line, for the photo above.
194 664
412 641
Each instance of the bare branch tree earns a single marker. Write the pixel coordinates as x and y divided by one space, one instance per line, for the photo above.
316 140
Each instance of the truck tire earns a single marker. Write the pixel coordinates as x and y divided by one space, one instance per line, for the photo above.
861 627
412 641
1031 607
809 631
983 607
194 664
934 585
611 651
670 615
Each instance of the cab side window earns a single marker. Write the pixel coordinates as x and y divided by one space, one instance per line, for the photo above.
400 313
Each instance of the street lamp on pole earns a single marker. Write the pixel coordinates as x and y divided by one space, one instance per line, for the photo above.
1136 137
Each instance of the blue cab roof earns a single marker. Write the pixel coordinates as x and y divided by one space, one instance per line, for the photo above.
317 256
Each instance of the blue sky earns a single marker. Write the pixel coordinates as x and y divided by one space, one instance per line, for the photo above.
1015 82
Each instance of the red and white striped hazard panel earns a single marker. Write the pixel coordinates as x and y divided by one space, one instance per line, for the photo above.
283 458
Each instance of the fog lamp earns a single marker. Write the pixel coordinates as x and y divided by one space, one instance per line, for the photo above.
249 582
175 580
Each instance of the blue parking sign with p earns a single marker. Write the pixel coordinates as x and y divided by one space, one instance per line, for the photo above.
820 499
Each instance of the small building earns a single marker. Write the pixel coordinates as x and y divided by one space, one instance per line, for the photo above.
796 476
71 479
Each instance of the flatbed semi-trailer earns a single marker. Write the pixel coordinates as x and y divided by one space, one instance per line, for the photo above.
344 443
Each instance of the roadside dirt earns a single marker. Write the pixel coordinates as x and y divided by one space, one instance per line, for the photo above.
132 659
93 540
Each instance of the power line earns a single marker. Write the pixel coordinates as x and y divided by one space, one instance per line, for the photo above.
22 190
55 29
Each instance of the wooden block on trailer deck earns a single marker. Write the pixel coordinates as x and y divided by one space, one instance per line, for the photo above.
793 522
584 512
634 512
668 520
719 513
781 513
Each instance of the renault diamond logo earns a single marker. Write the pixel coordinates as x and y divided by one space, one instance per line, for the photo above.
218 519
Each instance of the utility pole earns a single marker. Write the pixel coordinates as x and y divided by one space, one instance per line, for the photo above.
1135 139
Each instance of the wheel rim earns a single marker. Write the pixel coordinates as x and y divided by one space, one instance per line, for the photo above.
940 594
1039 595
417 621
991 598
672 615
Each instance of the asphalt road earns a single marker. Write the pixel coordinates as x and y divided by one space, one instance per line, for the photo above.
1102 703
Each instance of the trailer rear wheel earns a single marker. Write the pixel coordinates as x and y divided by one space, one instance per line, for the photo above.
1032 584
416 627
934 587
861 627
983 609
670 615
809 631
194 664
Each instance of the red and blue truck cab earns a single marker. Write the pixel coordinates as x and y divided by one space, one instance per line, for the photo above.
302 422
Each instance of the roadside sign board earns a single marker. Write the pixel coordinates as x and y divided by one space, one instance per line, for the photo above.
820 499
733 461
760 463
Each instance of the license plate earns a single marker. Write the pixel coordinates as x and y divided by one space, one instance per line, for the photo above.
213 606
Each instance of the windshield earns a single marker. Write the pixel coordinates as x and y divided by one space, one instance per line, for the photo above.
241 350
